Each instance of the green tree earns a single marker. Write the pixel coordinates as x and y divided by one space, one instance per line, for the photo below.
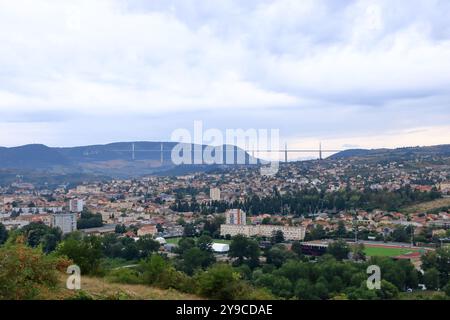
86 253
189 230
388 291
146 246
341 230
221 282
297 248
245 250
339 249
447 289
304 290
358 252
196 258
431 279
317 233
3 234
277 237
185 244
40 234
120 229
204 243
278 255
157 271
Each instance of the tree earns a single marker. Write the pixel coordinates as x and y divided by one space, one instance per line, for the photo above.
213 227
339 249
277 237
317 233
278 255
3 234
439 260
120 229
447 289
304 290
221 282
278 285
89 220
358 253
431 279
204 243
157 271
146 246
189 230
40 234
196 258
297 248
245 250
86 253
185 244
341 230
24 272
400 234
388 291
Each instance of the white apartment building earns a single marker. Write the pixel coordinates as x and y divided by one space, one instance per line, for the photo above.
67 222
290 233
76 205
214 194
236 216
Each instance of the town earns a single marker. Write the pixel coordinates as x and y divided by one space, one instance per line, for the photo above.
353 209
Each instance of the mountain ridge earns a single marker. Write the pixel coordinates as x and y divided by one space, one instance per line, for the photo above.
403 152
118 159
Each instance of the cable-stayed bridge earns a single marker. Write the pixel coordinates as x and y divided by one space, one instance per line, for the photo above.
254 152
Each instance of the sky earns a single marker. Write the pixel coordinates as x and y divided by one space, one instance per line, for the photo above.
350 74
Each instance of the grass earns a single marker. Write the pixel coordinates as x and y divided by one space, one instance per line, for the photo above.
176 240
100 289
427 206
386 252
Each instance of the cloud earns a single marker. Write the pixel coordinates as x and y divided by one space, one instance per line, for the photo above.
312 68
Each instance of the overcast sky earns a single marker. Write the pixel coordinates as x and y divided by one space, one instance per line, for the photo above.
347 73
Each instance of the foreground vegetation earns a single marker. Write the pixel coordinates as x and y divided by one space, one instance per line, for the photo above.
115 267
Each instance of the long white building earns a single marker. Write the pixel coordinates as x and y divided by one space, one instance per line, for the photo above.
290 233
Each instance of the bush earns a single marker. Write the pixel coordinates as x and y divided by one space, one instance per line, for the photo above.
24 271
447 289
86 253
80 295
124 275
161 273
222 282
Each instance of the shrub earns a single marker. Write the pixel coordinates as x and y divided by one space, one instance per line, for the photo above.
24 271
124 275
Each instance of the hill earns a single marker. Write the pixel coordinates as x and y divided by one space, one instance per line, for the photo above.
100 289
117 160
394 154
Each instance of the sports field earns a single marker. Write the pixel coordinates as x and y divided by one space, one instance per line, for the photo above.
386 251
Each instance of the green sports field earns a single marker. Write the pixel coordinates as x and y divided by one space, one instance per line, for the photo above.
386 252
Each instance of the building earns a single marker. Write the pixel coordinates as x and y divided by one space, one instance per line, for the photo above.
147 230
220 247
67 222
290 233
76 205
214 194
236 217
100 231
